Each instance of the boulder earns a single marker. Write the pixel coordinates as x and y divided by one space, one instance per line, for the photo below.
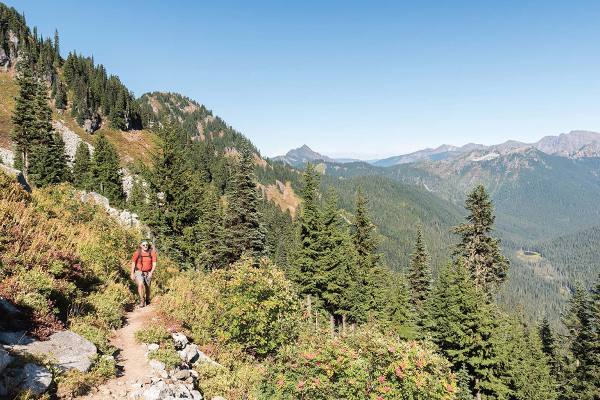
157 365
4 61
68 349
153 347
96 198
5 359
37 379
18 174
180 339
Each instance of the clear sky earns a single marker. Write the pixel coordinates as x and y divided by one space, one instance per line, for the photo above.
363 79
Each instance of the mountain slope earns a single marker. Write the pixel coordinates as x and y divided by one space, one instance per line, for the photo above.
299 156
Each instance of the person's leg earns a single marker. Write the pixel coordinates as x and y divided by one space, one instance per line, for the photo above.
147 294
147 282
141 293
139 278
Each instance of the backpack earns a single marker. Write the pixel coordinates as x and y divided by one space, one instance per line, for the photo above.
140 256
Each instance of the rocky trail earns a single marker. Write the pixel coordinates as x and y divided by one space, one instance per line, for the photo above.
132 365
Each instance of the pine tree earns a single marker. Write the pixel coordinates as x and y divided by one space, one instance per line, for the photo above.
581 368
244 230
48 165
548 339
82 172
335 272
310 222
419 275
106 171
399 310
173 196
479 252
370 273
526 366
25 133
466 327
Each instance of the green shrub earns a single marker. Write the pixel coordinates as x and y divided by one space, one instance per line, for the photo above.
243 306
105 368
365 365
168 356
105 307
152 334
95 335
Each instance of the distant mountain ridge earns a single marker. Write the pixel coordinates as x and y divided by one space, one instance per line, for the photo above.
301 155
565 145
575 144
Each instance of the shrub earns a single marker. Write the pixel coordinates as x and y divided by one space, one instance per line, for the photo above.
359 366
243 306
152 334
95 335
168 356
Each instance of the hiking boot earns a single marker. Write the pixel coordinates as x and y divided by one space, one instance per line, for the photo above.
142 303
147 302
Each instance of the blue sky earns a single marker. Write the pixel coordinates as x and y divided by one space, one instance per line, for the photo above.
352 78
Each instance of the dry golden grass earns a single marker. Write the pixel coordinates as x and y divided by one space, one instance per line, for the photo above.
8 91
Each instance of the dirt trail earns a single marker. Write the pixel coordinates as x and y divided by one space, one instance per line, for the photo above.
131 362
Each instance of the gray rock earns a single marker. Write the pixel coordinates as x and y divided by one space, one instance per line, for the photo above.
192 355
17 174
5 359
68 349
37 379
11 339
218 398
204 359
4 61
158 391
96 198
196 395
180 339
182 375
157 365
153 346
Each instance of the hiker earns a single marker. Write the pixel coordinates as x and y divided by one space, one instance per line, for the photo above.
143 264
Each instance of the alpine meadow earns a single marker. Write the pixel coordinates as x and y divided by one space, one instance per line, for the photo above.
466 272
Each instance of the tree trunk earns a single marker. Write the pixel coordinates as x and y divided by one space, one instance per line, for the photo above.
308 304
478 392
332 325
344 323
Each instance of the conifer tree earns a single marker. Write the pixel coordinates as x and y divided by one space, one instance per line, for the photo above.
173 196
335 272
465 325
48 164
419 275
25 133
369 271
478 251
548 340
399 310
526 366
82 172
581 368
244 230
106 171
310 221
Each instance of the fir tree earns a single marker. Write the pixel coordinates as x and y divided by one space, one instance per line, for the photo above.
581 368
106 171
310 221
548 339
244 230
526 365
419 275
82 172
465 325
369 271
479 252
48 165
25 133
335 272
